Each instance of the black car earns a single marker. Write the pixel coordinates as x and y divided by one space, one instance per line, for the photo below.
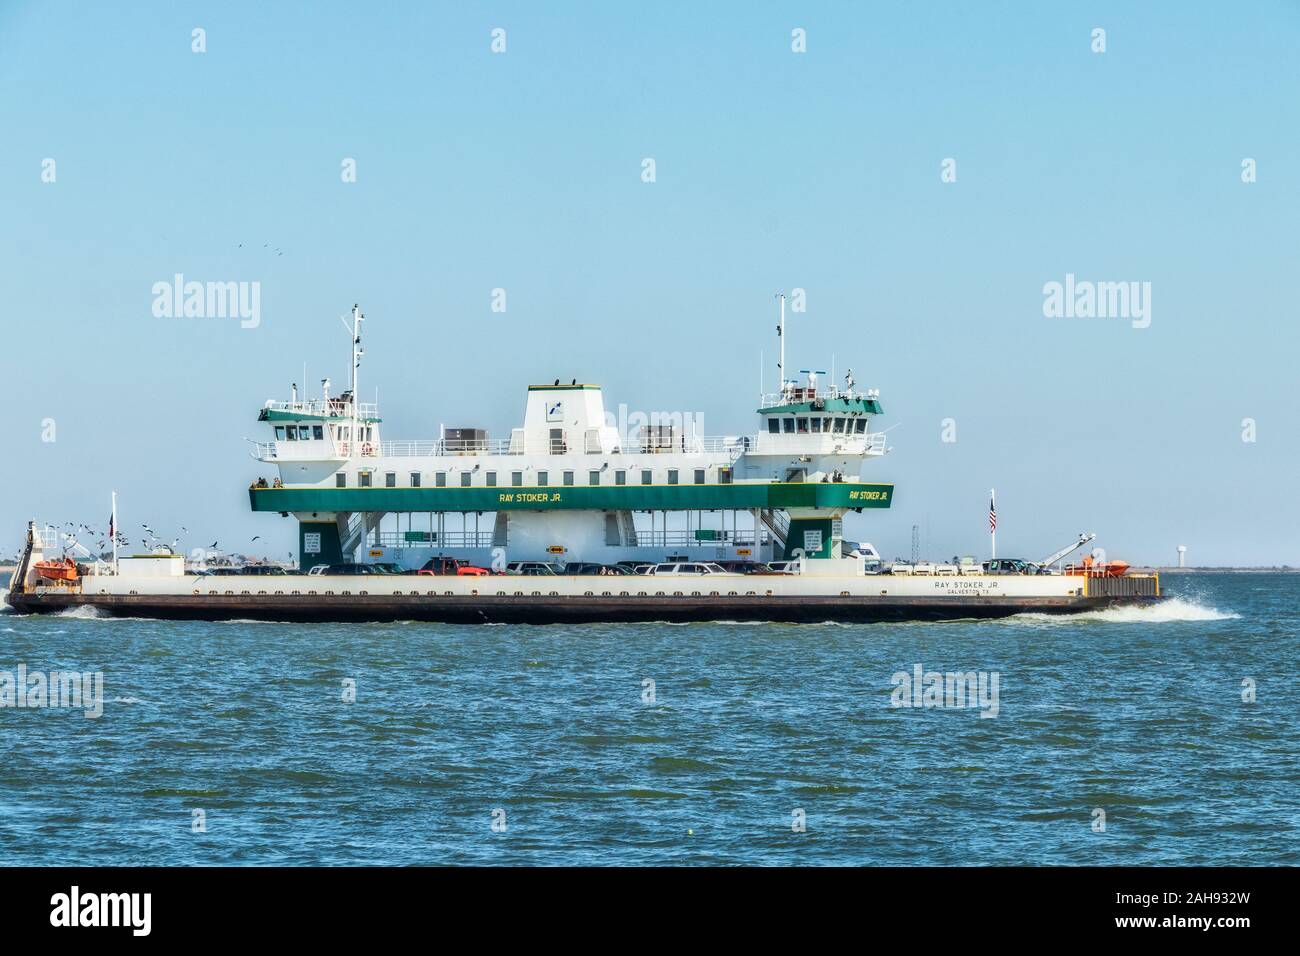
1011 566
262 569
745 567
353 568
590 567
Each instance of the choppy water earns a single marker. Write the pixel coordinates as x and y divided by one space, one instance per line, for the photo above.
1139 713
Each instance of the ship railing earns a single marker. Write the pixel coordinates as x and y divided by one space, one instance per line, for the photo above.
432 539
679 538
802 393
734 445
819 443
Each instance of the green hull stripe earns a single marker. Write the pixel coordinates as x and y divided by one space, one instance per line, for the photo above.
839 496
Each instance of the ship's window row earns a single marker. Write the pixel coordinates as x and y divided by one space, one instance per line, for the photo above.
595 478
365 433
815 425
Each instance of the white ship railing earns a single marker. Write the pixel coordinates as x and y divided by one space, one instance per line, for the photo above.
733 446
431 539
802 393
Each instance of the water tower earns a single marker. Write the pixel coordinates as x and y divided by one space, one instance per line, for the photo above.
1182 555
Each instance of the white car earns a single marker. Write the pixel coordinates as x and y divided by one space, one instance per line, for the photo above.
318 569
690 568
784 567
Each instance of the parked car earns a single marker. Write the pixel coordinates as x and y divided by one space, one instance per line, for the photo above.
533 567
318 569
1012 566
745 567
689 568
262 569
590 567
784 567
353 568
446 566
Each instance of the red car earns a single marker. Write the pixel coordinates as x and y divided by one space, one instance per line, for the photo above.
443 565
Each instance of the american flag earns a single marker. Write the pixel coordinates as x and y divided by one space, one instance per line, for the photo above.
111 530
993 517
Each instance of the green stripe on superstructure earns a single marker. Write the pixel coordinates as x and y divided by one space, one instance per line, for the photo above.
868 405
776 495
274 415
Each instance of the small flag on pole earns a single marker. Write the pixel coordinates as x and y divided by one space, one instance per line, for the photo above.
993 517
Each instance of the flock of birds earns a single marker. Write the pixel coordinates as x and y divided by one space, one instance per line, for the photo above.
152 541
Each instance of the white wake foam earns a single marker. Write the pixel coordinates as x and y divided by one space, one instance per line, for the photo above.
1174 610
82 612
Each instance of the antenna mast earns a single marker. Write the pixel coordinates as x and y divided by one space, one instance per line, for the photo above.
357 352
780 332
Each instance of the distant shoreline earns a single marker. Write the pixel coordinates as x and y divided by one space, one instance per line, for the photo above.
1284 569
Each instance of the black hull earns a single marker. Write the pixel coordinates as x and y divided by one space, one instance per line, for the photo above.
481 609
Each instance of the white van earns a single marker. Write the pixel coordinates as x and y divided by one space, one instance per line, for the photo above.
689 568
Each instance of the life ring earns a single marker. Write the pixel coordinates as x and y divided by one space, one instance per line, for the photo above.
367 449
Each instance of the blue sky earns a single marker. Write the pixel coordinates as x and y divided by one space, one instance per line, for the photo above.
775 170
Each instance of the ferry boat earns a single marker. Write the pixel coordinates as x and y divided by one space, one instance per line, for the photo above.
553 523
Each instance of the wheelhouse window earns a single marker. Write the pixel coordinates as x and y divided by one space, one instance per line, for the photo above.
279 433
817 424
839 426
318 432
801 425
860 426
304 433
774 426
787 426
291 433
340 479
